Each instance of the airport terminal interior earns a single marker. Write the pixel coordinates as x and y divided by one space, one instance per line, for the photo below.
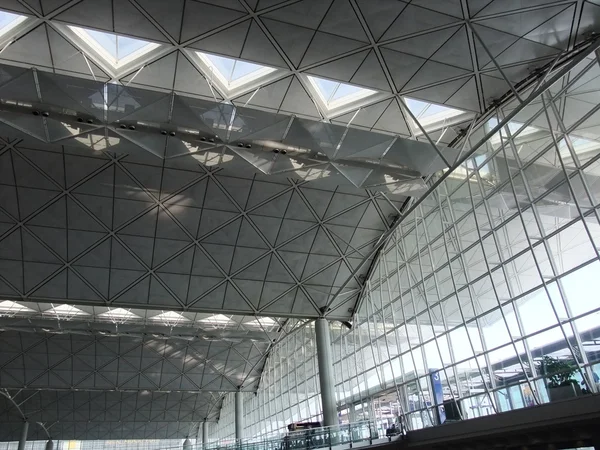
275 224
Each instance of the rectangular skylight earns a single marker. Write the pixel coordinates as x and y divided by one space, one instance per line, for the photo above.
335 95
232 73
115 49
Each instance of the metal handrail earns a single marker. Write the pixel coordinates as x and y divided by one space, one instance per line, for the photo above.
314 438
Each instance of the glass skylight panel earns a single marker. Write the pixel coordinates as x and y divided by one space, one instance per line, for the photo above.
8 307
115 49
217 319
8 21
263 322
432 116
233 73
170 318
65 311
119 314
334 94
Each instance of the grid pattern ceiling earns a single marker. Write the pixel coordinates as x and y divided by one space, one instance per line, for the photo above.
438 51
92 228
104 231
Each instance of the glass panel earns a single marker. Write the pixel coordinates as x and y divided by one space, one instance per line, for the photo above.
335 94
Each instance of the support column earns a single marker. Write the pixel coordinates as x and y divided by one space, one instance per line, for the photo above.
325 359
239 415
204 432
24 432
187 444
50 444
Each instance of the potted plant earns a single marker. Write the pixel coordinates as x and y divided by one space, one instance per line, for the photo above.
559 378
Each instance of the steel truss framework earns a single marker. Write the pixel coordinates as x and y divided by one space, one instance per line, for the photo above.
488 273
500 70
450 51
156 382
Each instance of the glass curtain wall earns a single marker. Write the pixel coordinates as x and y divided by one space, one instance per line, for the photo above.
224 429
488 287
484 299
289 388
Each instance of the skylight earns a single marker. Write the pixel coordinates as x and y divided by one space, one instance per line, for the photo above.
432 116
262 322
217 319
115 49
8 22
119 314
335 95
8 307
232 73
64 312
170 318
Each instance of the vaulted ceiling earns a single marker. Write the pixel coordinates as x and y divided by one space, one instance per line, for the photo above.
138 284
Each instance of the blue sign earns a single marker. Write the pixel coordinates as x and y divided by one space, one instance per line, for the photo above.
438 394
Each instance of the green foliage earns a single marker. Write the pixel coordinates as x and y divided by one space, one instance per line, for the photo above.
557 372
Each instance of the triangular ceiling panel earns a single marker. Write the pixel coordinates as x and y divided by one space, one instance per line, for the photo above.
424 45
380 14
298 101
90 13
292 39
366 117
555 32
521 23
269 96
455 51
32 48
466 97
402 66
325 46
434 72
68 58
370 74
342 21
524 50
413 19
15 6
228 42
160 73
342 69
168 15
258 48
441 92
188 79
450 7
212 17
129 20
392 120
496 42
309 13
